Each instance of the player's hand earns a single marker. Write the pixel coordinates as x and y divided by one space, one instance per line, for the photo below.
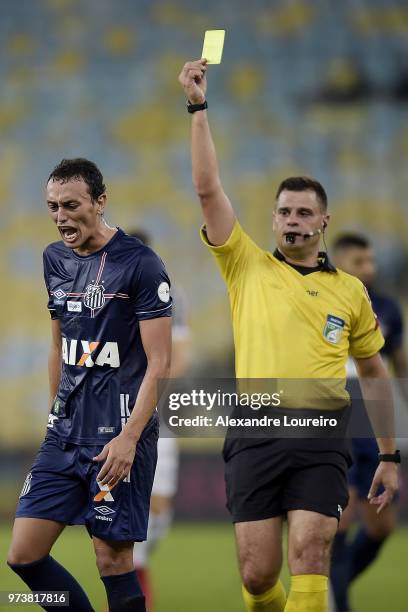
194 81
386 475
118 455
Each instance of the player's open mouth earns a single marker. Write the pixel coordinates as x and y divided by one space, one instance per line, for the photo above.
69 234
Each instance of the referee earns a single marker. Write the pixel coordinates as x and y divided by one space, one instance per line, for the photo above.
294 317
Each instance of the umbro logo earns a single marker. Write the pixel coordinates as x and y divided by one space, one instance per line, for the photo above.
59 294
104 510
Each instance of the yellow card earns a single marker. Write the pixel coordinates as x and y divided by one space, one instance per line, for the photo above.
213 46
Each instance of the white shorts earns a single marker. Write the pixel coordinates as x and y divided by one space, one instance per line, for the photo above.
165 479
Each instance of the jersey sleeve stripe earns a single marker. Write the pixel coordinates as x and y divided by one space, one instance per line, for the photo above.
149 311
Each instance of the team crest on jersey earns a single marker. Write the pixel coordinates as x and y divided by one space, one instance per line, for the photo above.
94 296
333 330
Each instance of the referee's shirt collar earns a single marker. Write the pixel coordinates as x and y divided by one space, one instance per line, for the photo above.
324 263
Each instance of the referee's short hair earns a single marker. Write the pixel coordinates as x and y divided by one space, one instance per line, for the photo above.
350 240
304 183
80 168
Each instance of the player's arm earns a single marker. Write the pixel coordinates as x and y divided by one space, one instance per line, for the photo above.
398 354
156 339
120 451
399 360
54 360
217 209
377 393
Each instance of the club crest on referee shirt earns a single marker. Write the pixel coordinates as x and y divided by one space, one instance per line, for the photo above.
333 329
94 296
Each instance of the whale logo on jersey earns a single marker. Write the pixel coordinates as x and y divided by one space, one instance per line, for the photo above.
81 353
94 296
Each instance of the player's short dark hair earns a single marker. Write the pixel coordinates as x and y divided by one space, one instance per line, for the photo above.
80 168
350 240
141 234
304 183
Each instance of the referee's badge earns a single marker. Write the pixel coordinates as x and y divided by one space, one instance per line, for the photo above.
333 329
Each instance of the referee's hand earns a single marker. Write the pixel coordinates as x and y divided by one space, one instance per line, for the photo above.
194 81
387 476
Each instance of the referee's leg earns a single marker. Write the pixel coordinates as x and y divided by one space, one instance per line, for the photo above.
309 544
259 546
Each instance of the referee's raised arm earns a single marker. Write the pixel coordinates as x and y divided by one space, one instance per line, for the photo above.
217 209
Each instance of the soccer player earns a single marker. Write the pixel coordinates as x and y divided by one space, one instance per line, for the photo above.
295 316
110 310
354 254
165 479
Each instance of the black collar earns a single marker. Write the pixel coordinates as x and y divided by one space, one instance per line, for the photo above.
324 263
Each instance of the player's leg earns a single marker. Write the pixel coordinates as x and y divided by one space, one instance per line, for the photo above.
370 537
159 522
161 512
375 528
51 498
32 539
160 517
340 562
29 557
115 564
259 547
117 518
309 543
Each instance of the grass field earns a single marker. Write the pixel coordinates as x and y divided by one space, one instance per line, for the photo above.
195 571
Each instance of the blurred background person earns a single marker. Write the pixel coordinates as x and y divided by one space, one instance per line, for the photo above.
353 253
165 479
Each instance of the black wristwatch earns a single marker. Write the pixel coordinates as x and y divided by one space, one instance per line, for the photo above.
193 108
392 458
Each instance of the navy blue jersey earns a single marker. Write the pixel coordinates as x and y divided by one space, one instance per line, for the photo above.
390 319
99 300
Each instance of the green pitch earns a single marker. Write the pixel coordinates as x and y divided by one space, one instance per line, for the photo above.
195 569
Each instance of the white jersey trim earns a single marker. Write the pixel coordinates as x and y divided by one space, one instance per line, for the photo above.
150 311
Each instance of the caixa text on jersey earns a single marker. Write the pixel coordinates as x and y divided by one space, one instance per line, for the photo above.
89 353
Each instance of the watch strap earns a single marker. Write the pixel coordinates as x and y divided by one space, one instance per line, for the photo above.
193 108
391 457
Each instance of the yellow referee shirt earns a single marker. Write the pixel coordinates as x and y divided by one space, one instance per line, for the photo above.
291 326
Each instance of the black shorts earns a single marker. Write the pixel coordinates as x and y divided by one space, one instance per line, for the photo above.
271 476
